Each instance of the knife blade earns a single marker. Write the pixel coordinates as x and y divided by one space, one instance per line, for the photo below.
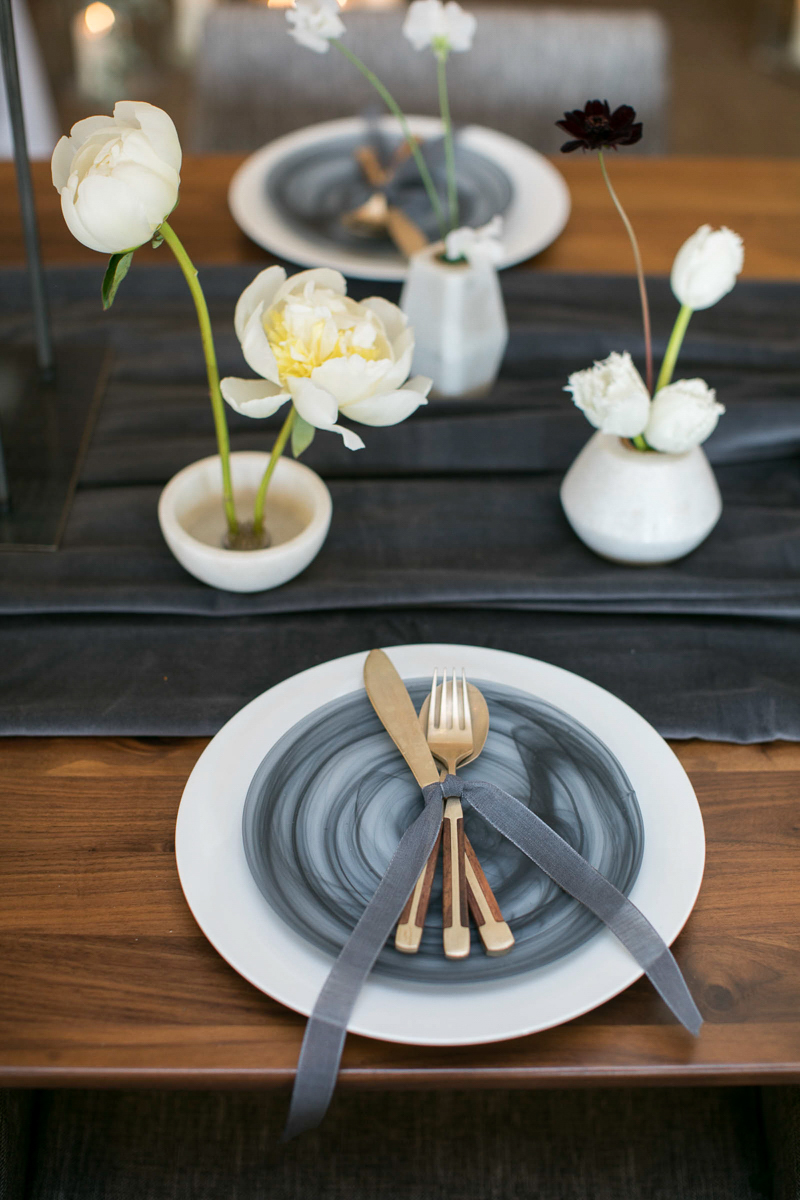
392 703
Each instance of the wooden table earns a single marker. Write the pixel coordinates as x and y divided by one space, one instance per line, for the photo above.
105 980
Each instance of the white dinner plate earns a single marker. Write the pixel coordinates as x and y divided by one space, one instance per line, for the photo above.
536 215
250 935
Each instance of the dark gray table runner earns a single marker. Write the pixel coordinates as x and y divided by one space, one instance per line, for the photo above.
109 635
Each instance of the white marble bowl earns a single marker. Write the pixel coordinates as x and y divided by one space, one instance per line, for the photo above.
297 517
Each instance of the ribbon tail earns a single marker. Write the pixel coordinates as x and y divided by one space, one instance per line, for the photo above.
323 1042
580 879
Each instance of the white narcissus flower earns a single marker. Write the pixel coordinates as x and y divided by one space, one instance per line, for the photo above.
118 176
706 266
682 416
312 344
476 245
314 23
612 395
441 26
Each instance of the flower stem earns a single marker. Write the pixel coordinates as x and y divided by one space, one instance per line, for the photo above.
639 442
277 451
648 346
413 145
674 345
217 403
449 152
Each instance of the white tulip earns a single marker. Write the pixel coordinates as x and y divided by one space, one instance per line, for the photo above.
706 266
612 395
312 344
682 415
441 26
118 176
314 23
476 245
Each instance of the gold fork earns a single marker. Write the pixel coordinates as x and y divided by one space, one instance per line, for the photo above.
450 740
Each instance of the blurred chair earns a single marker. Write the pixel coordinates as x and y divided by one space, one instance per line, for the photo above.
253 82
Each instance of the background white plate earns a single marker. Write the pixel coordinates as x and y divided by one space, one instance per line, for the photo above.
249 935
537 213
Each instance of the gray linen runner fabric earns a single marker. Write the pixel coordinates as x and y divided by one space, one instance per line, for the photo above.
129 644
323 1041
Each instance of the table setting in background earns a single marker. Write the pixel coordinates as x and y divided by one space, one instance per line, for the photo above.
437 660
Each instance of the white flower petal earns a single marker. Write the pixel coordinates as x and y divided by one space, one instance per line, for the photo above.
157 126
256 348
76 226
352 378
682 415
387 409
260 292
252 397
393 319
315 404
321 277
61 163
314 22
114 216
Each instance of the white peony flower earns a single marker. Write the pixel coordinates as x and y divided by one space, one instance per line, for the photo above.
441 26
118 176
314 23
312 344
706 266
682 415
612 395
476 245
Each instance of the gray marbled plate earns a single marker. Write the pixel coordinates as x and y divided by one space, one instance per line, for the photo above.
330 801
313 187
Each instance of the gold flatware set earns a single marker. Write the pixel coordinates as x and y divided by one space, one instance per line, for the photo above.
450 731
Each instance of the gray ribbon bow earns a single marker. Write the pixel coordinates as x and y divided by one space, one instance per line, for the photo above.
326 1030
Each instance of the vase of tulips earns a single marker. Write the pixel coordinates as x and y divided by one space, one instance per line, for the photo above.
242 522
452 294
642 490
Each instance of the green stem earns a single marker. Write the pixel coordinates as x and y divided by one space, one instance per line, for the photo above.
217 403
674 345
639 442
648 345
449 151
413 145
277 451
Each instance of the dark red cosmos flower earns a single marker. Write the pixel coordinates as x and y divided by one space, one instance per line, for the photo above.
596 128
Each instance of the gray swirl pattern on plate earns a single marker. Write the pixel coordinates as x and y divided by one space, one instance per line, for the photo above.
329 803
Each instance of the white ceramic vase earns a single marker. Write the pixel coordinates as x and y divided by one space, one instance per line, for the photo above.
639 507
459 322
297 517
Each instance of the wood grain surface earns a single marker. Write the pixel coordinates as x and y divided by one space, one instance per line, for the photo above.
666 199
105 979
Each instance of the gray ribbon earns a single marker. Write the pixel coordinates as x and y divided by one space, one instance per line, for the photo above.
326 1030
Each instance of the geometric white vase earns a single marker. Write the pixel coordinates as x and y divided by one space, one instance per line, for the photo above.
297 517
640 507
459 320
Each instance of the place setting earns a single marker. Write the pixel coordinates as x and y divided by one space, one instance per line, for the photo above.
294 812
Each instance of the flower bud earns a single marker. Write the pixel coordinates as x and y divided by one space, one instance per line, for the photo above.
612 395
682 416
706 266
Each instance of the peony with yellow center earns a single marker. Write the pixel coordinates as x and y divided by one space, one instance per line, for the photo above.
330 355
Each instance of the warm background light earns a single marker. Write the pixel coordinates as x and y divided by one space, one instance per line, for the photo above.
343 3
98 17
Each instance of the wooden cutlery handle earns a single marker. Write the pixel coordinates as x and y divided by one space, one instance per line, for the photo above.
408 934
495 934
454 882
